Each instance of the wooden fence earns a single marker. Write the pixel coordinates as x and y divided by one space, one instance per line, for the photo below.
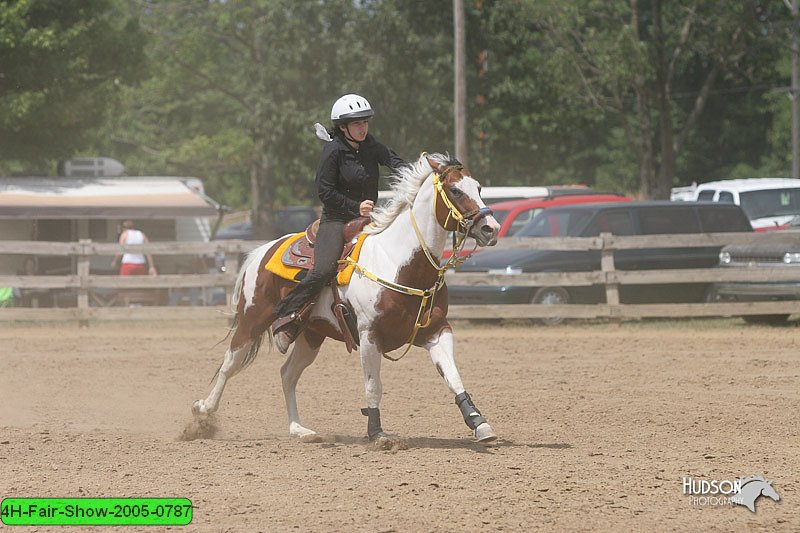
84 283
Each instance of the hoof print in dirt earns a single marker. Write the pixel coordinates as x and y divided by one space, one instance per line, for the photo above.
199 428
391 443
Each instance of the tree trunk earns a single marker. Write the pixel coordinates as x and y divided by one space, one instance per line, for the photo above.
666 171
261 191
645 149
460 82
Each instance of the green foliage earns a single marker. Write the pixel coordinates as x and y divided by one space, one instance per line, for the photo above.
638 62
586 91
60 63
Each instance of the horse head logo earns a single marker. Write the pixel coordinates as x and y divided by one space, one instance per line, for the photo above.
752 488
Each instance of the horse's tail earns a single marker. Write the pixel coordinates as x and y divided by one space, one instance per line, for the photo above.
252 256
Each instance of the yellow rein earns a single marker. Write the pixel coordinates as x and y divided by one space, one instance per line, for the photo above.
425 313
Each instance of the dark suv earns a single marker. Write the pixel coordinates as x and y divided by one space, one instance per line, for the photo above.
287 220
588 220
778 249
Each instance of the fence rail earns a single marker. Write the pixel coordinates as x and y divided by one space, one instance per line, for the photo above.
84 283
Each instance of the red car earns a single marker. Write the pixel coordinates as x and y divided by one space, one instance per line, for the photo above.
514 214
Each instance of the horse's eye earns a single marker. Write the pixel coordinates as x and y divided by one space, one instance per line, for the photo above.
456 192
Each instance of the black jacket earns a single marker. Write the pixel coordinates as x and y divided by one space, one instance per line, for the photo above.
346 177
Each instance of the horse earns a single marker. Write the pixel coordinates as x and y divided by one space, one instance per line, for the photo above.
398 295
751 488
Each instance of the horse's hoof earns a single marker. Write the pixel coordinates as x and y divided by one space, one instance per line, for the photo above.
197 409
381 435
296 430
485 433
385 441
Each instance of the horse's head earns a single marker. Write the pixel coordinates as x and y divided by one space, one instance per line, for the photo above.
458 204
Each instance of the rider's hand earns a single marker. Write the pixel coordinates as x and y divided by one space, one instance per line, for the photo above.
365 209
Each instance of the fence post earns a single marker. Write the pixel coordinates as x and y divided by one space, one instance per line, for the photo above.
610 280
83 290
231 269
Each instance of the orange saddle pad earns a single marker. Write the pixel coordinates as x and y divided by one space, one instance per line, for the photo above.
288 260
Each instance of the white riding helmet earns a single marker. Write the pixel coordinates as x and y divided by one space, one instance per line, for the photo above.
350 107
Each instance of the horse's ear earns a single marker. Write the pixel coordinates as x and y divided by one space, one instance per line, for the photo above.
435 165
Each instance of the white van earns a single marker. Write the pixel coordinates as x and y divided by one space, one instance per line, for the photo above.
769 203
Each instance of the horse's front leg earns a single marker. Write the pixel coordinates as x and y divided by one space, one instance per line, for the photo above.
373 387
440 347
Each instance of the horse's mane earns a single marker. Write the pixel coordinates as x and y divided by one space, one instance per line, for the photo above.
748 479
406 182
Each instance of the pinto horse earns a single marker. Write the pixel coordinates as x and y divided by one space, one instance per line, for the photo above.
398 293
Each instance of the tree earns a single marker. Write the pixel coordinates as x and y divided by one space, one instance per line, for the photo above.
632 59
239 85
60 63
531 129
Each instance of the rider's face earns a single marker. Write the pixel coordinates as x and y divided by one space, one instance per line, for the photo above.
357 130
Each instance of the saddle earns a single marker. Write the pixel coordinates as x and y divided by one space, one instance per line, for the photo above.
301 253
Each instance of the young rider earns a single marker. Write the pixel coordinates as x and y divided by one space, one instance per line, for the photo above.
347 185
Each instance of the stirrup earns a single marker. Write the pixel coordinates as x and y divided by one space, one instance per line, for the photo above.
285 331
282 341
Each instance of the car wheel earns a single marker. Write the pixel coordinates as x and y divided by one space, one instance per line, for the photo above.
551 296
765 319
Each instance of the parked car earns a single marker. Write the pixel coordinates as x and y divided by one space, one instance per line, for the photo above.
513 215
492 195
588 220
769 203
777 250
288 220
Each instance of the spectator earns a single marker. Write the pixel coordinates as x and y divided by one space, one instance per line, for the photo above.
134 264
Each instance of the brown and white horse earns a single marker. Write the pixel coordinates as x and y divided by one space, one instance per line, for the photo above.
433 197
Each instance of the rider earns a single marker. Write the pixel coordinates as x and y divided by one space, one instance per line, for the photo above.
347 184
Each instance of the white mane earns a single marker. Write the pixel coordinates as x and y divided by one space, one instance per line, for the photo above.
406 183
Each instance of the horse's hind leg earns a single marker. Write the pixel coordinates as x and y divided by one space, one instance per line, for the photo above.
440 347
230 367
305 350
240 346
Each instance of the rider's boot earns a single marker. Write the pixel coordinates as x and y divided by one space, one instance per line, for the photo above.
285 331
287 328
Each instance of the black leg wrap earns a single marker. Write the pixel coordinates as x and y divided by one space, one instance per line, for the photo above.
470 413
373 422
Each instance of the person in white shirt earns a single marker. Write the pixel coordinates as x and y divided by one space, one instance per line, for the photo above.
134 264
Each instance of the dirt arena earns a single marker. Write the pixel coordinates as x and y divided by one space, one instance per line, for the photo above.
599 424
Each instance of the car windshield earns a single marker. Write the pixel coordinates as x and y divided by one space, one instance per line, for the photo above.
770 203
500 215
556 223
522 219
